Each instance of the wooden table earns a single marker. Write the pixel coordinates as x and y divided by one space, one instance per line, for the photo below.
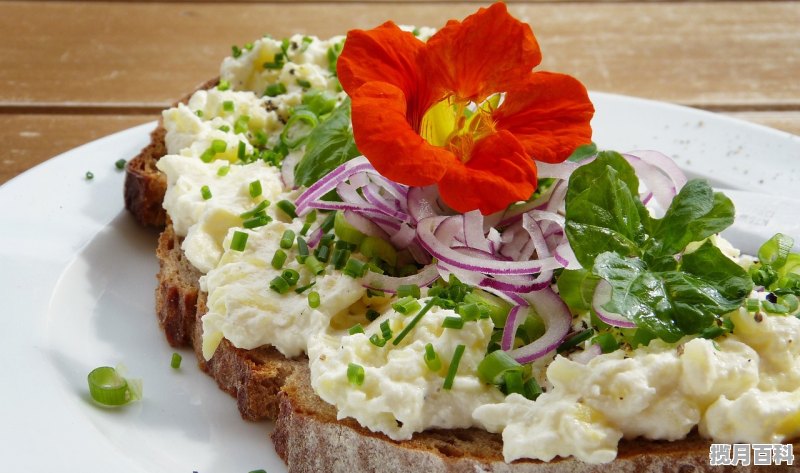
75 71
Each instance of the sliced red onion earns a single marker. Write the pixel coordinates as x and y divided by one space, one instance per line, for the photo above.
602 294
543 280
404 236
514 320
586 355
364 225
663 162
441 251
474 235
557 320
425 277
423 202
564 255
328 182
287 169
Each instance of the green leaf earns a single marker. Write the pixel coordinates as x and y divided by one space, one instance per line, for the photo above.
583 152
329 145
673 303
696 213
603 210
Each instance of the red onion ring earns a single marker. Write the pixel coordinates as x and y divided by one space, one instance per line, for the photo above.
602 294
557 319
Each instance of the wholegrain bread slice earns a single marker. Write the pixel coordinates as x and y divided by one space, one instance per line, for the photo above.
308 436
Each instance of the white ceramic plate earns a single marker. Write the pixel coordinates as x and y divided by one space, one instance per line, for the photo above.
77 282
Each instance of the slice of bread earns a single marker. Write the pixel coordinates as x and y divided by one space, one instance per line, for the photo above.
308 436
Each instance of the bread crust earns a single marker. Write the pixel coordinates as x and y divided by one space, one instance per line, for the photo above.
308 436
145 185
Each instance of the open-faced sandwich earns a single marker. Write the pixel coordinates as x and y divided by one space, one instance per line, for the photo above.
402 246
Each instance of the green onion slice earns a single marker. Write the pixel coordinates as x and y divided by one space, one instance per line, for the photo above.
355 374
175 362
432 360
107 387
495 365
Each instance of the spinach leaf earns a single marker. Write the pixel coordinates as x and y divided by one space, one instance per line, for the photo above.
329 145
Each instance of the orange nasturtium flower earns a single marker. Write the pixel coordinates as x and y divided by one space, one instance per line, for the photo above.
464 111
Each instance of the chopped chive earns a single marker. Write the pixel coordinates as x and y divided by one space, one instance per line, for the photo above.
323 253
303 289
575 340
354 268
451 371
287 240
291 276
236 51
199 113
278 259
327 224
314 265
305 229
313 299
357 328
255 189
175 362
223 85
304 83
241 124
208 155
406 305
327 239
469 311
372 314
241 151
258 221
302 250
431 358
279 285
386 330
219 146
513 381
120 164
239 241
258 209
228 106
223 171
531 389
375 293
377 341
89 175
411 290
311 217
205 192
453 322
339 258
273 90
355 374
224 128
607 342
752 305
399 338
288 208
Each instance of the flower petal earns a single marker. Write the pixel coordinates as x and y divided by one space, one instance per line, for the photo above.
498 173
486 53
385 54
549 114
384 135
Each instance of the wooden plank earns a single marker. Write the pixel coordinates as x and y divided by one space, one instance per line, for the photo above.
32 139
735 55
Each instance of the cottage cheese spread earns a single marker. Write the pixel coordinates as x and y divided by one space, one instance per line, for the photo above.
744 388
242 308
400 394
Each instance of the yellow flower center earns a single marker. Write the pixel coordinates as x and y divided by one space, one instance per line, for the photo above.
457 124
